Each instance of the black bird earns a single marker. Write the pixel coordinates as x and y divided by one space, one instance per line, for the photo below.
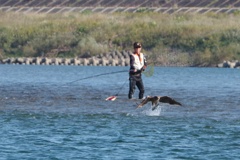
156 99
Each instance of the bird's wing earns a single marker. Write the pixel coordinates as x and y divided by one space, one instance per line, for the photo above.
166 99
146 100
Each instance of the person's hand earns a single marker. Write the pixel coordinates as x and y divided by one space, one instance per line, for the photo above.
143 68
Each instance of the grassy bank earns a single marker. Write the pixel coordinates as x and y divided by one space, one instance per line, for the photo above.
184 39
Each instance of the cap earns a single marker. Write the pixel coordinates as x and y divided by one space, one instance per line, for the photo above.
137 45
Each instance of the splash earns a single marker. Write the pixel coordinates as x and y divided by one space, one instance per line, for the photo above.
155 112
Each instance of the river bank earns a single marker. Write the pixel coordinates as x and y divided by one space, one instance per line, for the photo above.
181 40
111 59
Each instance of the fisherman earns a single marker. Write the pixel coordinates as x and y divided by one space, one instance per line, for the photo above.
137 65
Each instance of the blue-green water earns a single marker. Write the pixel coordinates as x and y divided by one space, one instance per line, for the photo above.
43 116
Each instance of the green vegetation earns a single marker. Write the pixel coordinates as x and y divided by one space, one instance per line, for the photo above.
183 39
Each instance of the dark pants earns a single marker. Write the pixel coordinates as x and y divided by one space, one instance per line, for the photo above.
135 81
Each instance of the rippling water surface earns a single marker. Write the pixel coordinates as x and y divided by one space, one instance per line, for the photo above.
47 112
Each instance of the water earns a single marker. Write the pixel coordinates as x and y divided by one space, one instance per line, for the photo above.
46 114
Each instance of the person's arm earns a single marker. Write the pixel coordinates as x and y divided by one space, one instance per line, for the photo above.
132 61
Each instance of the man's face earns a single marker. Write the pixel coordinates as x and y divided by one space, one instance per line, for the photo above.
137 49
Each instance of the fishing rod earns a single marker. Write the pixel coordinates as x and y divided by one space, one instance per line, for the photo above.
148 73
98 75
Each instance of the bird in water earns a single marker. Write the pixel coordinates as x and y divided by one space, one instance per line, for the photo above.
156 99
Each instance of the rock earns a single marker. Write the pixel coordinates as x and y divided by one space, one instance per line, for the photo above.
66 61
76 61
114 58
85 62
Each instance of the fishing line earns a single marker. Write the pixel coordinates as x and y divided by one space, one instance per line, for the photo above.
121 88
113 98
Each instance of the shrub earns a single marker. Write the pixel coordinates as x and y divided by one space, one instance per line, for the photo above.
89 45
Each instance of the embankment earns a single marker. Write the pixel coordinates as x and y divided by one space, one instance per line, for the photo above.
111 59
